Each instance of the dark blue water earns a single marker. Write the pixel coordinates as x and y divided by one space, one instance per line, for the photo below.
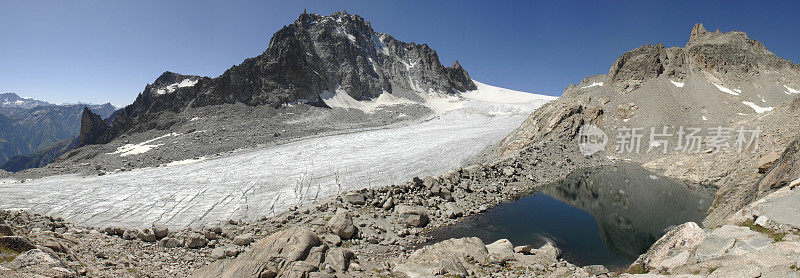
606 216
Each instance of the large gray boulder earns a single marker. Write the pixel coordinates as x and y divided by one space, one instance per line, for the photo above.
501 250
268 257
449 257
338 259
673 249
412 215
40 263
341 224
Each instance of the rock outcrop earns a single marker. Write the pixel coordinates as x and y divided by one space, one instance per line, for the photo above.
92 127
293 252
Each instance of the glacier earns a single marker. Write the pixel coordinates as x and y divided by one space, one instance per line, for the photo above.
263 182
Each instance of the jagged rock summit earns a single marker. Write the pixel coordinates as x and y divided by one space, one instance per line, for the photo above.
317 60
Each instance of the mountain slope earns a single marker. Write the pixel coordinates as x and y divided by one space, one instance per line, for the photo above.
716 80
314 59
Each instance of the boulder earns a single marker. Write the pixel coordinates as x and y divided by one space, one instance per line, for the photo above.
218 253
412 215
317 255
523 249
547 253
40 263
147 235
338 259
160 231
170 242
299 269
501 250
114 231
595 269
195 241
130 234
355 198
213 228
713 247
388 204
243 240
672 249
267 257
341 224
453 257
452 210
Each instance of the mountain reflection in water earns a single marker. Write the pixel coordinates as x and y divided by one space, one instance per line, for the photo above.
607 215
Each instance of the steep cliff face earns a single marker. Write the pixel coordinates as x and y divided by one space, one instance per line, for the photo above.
92 127
314 56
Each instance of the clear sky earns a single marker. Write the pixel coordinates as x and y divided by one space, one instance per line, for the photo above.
101 51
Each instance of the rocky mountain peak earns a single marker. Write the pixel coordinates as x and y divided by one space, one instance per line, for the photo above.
316 55
731 54
12 100
697 31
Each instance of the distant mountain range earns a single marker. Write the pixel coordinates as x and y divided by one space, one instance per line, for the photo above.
28 125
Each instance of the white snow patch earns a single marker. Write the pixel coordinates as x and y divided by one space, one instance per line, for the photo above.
340 99
757 108
677 84
340 30
792 91
704 118
626 120
741 114
298 102
723 89
194 119
186 161
172 87
143 147
372 63
595 84
489 93
738 90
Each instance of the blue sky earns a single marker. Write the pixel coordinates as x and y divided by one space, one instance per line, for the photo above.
100 51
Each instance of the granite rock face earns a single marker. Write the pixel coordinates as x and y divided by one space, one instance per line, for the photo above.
313 58
92 127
